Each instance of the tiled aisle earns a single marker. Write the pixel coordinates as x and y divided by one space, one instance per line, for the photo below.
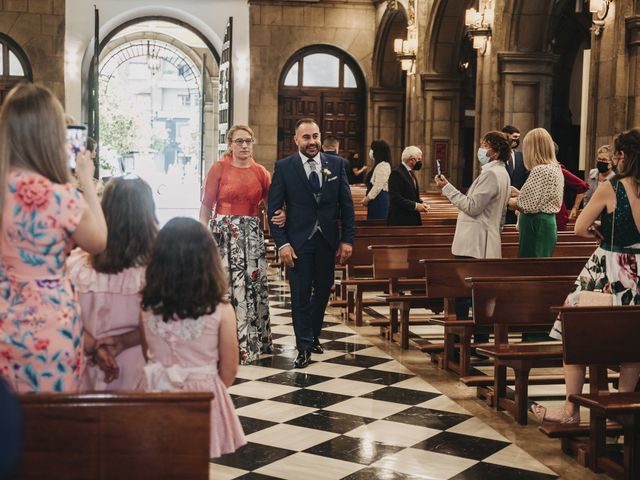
355 413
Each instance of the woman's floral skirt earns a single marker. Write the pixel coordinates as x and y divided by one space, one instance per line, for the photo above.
241 244
609 272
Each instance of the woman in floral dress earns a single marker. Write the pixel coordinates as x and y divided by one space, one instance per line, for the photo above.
43 216
615 265
235 188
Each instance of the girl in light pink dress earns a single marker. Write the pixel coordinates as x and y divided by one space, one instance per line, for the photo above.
109 284
189 330
42 216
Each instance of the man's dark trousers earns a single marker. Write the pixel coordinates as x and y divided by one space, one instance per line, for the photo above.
310 280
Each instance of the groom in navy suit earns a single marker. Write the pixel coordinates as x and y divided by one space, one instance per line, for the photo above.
314 189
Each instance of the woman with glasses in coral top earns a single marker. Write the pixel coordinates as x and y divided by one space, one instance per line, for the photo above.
235 190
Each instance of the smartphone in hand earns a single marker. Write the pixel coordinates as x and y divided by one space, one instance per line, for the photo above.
76 140
439 167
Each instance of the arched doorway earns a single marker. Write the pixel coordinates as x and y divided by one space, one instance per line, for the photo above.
157 91
14 65
327 85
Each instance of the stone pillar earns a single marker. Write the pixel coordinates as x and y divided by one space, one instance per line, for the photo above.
387 120
526 81
442 120
633 49
613 72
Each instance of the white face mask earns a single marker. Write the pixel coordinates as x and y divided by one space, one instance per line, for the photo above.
483 158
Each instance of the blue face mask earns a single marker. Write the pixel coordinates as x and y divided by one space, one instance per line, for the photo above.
483 158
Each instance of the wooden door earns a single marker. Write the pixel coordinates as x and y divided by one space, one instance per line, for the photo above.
342 117
340 114
292 107
338 106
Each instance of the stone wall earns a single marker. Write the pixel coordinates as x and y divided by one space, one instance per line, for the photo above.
38 27
280 29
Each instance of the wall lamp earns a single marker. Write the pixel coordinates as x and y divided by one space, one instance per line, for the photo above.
479 24
405 50
600 10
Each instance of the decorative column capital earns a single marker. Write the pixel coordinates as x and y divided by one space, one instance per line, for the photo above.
432 82
527 63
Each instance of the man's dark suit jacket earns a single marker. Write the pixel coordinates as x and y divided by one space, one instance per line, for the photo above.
403 198
290 186
518 176
333 153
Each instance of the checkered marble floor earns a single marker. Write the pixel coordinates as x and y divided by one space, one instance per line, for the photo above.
356 413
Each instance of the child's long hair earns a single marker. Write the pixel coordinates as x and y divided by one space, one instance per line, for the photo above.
32 135
129 210
184 276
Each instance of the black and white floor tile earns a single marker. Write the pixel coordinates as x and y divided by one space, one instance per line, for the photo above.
356 413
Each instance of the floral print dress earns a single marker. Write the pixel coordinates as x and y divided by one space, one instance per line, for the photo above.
615 265
235 194
40 328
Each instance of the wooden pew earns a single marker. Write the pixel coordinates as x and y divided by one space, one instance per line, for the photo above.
400 258
525 302
446 279
598 337
390 259
116 435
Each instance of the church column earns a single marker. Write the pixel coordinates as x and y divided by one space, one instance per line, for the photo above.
442 103
633 49
613 73
526 81
387 123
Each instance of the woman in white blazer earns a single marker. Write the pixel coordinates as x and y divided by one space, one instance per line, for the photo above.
482 209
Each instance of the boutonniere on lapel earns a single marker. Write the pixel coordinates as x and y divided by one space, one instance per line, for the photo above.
325 171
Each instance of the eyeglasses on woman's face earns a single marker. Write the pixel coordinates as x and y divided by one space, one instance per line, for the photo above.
241 141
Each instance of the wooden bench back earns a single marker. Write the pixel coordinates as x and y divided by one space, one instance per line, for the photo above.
438 220
518 301
402 261
601 335
362 230
362 255
116 435
446 278
445 233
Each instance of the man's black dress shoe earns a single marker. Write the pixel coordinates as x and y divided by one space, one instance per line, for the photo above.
303 359
317 347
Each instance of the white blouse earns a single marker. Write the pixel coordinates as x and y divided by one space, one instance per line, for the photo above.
379 179
543 191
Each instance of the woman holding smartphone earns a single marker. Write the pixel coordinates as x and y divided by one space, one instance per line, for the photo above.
482 209
42 217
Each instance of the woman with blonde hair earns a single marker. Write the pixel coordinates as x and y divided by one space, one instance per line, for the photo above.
541 196
235 190
43 217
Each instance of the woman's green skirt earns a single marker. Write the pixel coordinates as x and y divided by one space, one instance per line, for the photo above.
538 235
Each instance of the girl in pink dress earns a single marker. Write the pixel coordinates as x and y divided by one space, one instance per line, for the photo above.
42 217
109 283
189 330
